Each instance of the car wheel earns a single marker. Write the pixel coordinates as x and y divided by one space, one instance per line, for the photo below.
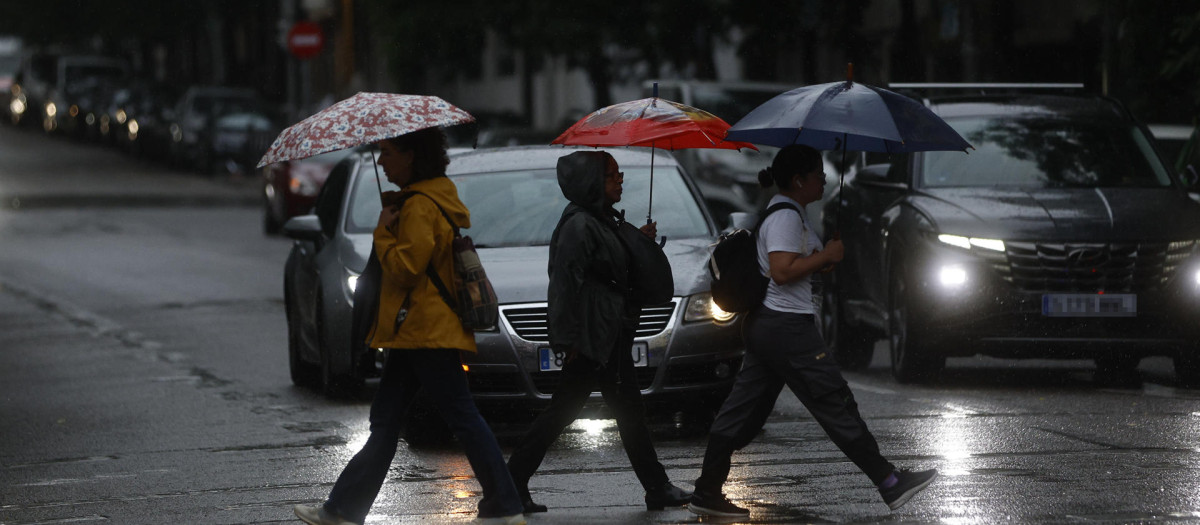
303 374
852 347
333 384
1187 368
914 360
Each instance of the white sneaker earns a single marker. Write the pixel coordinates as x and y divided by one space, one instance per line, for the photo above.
515 519
317 515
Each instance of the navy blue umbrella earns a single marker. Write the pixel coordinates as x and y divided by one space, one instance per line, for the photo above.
847 116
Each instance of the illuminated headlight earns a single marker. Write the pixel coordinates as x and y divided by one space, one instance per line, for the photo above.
701 307
970 242
351 281
51 109
1196 277
952 275
121 116
133 127
17 106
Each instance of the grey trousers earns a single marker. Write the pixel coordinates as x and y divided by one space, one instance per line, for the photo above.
787 349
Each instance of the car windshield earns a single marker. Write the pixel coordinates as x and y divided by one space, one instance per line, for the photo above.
1046 152
521 208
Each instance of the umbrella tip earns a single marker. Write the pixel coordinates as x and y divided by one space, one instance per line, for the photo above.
656 90
850 72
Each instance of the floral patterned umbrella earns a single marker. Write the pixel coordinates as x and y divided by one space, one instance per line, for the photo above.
365 118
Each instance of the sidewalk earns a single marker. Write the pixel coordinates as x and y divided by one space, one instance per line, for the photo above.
89 174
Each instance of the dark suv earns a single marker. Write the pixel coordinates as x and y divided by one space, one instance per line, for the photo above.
1063 234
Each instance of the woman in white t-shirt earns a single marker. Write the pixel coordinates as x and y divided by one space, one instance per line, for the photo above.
784 347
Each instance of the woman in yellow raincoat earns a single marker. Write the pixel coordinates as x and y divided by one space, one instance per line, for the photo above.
423 336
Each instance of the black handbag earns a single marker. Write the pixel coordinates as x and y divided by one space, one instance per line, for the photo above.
650 278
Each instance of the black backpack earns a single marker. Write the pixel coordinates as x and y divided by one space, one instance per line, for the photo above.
737 284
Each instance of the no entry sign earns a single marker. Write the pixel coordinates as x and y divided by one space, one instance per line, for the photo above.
305 39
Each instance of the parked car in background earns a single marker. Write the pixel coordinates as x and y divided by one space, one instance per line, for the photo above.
1063 234
77 86
10 66
138 117
194 125
241 138
290 188
687 349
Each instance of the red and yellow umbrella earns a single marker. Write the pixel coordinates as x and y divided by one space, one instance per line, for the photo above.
650 122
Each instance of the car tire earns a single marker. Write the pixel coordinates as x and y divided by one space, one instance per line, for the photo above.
853 347
333 384
1187 368
303 374
913 359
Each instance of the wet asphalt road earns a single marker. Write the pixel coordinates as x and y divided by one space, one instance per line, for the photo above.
143 380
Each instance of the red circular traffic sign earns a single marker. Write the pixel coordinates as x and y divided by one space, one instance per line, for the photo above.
305 39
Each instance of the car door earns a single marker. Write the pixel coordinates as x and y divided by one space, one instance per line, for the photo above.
306 270
868 212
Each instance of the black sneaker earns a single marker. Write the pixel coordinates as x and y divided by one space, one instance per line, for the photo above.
907 485
718 505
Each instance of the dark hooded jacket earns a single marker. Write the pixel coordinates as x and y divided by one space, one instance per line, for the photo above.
589 269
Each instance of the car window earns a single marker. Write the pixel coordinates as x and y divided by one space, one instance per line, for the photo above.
363 214
329 202
538 203
731 104
1046 152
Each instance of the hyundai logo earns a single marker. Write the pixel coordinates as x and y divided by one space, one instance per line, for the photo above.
1083 257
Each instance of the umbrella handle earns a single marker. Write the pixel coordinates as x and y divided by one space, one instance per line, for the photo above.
377 183
650 206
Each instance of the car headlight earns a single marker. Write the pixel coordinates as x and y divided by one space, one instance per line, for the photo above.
51 109
701 307
972 242
952 275
351 280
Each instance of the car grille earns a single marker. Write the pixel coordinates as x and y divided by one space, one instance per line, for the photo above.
1092 267
530 323
547 382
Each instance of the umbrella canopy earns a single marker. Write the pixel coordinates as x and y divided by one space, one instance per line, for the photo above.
365 118
847 116
650 122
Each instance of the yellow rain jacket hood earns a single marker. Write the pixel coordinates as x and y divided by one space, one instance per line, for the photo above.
420 237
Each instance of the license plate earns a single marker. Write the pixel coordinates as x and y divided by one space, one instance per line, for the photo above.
548 360
1089 305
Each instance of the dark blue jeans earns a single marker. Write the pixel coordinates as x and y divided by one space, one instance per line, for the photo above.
440 373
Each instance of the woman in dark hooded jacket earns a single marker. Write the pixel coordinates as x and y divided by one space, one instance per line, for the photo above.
592 322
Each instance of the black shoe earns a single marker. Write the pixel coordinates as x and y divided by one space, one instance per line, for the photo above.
907 485
667 495
531 507
718 505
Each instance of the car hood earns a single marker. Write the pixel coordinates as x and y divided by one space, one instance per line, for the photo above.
1062 214
518 274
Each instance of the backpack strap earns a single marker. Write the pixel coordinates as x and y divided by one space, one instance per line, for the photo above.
774 208
429 271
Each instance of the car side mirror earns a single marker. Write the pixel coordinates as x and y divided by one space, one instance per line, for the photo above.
304 228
